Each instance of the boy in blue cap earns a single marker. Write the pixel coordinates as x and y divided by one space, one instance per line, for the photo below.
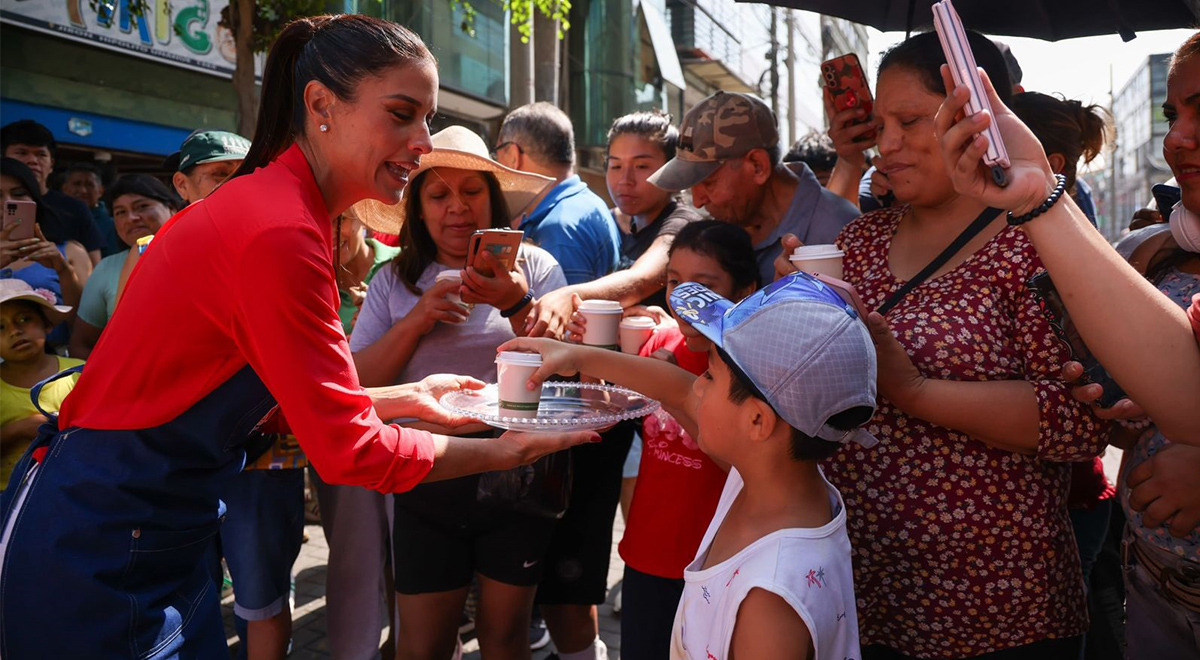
791 377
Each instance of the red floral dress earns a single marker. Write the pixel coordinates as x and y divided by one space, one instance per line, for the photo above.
961 548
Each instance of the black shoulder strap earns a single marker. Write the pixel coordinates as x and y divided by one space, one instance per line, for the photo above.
985 218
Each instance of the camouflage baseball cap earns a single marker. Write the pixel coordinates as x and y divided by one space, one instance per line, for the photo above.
723 126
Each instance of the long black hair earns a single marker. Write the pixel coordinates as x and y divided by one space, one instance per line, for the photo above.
337 51
46 218
417 249
729 244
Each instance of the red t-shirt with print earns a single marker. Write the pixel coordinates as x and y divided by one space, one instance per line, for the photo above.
678 486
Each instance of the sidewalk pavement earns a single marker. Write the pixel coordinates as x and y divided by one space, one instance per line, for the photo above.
308 618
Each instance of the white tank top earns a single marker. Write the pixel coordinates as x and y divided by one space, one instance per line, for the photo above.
808 567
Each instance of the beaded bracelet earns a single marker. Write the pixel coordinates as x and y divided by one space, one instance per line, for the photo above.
512 311
1015 220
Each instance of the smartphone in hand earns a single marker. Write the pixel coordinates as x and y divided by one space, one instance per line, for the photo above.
502 243
24 212
961 60
846 83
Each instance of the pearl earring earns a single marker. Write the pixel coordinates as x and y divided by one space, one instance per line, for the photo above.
324 128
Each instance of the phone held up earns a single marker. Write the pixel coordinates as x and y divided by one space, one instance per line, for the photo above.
23 213
502 243
846 84
962 65
1056 313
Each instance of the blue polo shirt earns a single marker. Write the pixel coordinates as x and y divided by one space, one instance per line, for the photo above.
574 225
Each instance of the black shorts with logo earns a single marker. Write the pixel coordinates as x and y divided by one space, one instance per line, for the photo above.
442 536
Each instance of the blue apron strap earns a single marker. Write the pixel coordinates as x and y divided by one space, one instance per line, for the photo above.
36 392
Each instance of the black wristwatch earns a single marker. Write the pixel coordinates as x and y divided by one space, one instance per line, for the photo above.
512 311
1015 220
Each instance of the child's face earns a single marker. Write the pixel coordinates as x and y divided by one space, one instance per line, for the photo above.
22 332
691 266
717 416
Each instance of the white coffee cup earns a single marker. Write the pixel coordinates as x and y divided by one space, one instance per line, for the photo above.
513 371
635 331
819 260
603 323
453 295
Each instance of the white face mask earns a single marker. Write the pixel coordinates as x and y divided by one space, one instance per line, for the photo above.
1185 227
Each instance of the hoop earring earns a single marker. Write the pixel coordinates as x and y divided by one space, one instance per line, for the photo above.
324 128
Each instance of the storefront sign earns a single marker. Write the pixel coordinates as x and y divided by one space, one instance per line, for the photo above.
183 32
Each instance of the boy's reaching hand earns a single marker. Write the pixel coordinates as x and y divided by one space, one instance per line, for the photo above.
557 357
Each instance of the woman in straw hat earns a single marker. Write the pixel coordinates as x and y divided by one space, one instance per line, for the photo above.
108 520
412 325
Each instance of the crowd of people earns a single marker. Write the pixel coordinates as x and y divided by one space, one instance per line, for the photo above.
901 461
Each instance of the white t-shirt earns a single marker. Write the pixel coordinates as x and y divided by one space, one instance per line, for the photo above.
807 567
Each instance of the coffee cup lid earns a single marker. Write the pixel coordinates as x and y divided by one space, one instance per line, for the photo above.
602 306
520 357
816 252
448 275
637 322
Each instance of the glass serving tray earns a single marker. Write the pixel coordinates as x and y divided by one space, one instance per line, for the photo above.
564 407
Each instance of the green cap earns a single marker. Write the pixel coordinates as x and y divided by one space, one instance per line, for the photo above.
212 147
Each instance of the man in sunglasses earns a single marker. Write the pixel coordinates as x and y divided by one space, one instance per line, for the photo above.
569 221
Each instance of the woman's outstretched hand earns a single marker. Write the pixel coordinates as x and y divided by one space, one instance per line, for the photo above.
1030 179
420 399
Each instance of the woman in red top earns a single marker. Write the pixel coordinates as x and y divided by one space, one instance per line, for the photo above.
958 518
233 307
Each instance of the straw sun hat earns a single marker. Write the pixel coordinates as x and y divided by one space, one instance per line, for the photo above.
458 148
13 289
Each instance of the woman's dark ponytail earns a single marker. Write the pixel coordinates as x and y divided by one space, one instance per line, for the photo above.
337 51
273 130
1066 127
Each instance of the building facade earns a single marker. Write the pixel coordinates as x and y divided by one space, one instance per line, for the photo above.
119 86
1137 162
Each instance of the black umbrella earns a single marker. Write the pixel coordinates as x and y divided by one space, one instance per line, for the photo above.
1041 19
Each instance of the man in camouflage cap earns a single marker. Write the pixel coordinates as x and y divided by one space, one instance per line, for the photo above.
730 157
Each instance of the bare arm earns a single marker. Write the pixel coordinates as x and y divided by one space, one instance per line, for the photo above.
656 379
1141 337
1003 414
648 274
767 627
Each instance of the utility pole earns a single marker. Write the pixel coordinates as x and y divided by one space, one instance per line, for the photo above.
545 56
773 58
521 59
1111 216
789 24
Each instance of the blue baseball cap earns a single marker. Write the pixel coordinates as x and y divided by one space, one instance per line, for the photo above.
804 348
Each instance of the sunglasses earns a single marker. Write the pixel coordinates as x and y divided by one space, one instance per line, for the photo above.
496 150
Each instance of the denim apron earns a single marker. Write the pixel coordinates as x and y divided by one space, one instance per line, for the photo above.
108 534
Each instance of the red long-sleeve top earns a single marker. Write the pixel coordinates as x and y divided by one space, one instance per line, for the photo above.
246 277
